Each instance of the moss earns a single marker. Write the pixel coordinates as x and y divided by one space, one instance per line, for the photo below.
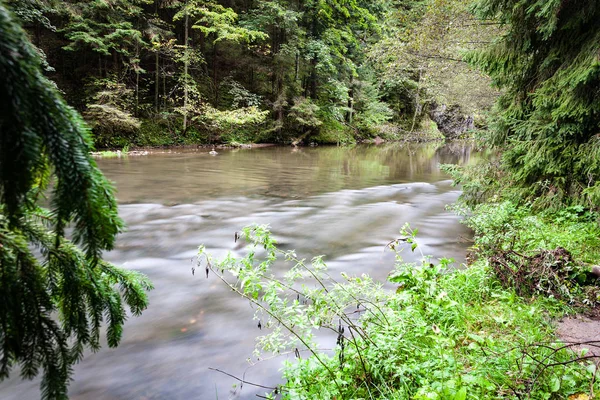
333 132
428 130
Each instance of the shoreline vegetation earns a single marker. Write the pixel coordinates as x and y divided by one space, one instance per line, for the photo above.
485 331
408 137
162 73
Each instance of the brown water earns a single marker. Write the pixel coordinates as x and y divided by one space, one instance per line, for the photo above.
345 203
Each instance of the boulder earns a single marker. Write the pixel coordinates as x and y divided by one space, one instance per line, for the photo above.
451 120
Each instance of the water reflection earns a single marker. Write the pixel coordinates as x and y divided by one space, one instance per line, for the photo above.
345 203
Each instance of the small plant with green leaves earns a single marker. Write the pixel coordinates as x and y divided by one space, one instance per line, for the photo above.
443 334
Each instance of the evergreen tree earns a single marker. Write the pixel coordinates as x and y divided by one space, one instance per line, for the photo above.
42 139
548 118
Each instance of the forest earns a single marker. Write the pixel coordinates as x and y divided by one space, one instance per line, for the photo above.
156 73
446 244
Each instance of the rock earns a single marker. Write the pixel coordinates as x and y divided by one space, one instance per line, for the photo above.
451 121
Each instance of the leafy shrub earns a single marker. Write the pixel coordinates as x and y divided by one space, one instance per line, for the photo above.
441 335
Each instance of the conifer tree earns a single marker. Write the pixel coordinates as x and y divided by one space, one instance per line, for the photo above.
43 139
548 118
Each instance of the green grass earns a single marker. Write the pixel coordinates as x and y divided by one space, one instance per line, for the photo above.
450 336
503 225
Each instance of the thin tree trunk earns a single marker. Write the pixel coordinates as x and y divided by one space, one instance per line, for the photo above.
116 65
185 72
164 77
297 71
137 92
313 79
157 83
216 74
417 102
350 115
351 107
280 101
137 79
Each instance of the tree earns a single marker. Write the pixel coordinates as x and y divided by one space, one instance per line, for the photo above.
177 59
547 120
215 21
43 139
107 28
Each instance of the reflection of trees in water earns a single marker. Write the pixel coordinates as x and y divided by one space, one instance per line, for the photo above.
464 153
362 165
282 171
455 153
293 173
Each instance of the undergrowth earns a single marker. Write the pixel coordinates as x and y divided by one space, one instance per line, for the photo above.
549 253
443 334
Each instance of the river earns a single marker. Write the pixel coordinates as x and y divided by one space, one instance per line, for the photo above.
344 203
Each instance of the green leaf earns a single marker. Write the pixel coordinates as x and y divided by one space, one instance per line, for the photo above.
554 384
461 394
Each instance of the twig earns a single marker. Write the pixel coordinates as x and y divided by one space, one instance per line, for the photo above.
594 380
242 381
436 57
288 328
364 367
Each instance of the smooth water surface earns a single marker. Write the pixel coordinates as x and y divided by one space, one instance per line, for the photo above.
344 203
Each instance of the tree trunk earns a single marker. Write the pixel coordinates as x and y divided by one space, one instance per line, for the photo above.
137 92
157 83
185 72
216 74
280 102
137 78
417 102
116 65
164 78
350 115
297 70
313 79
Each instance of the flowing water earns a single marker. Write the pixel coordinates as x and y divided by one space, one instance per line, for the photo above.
344 203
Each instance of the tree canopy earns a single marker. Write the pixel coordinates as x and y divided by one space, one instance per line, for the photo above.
547 120
158 72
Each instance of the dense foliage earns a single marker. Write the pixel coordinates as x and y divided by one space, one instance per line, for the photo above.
157 72
548 117
441 335
293 71
42 274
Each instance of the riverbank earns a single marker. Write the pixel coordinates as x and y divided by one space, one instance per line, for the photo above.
344 202
147 150
144 151
151 136
487 331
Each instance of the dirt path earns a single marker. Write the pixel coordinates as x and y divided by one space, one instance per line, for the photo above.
581 329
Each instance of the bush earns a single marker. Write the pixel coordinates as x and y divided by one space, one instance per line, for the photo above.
441 335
